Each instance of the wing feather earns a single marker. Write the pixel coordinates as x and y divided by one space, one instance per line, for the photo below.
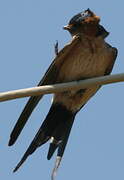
49 78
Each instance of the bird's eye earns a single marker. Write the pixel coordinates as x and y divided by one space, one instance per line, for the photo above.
85 14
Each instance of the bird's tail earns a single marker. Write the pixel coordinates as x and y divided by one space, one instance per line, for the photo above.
56 127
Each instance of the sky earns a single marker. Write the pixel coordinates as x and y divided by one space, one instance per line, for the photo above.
28 32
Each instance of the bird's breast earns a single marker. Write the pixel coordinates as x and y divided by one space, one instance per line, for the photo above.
85 61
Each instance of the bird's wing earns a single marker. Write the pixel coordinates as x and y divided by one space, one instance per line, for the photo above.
112 62
49 78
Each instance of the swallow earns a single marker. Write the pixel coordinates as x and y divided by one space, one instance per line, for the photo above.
87 55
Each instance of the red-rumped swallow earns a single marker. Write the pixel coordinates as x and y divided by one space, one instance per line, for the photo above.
86 56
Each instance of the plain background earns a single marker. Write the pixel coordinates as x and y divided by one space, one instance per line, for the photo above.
28 32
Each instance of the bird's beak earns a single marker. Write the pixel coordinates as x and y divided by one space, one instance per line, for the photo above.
67 27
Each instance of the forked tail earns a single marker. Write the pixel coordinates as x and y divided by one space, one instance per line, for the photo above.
56 126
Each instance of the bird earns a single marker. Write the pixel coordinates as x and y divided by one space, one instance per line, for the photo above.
87 55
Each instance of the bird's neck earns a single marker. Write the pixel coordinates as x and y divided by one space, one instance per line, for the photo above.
91 32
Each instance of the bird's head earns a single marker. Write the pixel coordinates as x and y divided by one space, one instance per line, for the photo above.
85 22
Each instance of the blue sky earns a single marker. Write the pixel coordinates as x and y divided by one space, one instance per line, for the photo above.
28 31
